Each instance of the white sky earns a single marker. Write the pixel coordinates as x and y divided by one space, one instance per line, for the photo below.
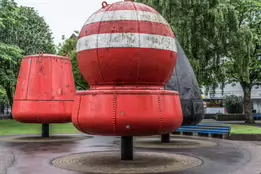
64 16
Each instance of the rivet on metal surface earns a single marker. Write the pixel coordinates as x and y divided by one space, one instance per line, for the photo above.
104 4
160 112
60 91
128 127
23 84
114 112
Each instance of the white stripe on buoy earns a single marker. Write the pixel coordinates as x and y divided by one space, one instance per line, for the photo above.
126 40
126 15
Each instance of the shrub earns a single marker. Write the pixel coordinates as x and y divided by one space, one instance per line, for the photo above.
234 104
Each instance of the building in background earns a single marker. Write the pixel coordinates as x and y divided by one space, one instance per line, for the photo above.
214 102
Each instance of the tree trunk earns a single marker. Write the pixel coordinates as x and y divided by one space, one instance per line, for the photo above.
9 94
248 103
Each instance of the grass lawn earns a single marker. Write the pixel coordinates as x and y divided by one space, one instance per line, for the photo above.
11 127
244 129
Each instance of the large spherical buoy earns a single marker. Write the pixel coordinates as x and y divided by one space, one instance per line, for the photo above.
127 53
126 43
45 90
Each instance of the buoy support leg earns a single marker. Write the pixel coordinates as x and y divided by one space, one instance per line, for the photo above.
45 130
127 148
165 138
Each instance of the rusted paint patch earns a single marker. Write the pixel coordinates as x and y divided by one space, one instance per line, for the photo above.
60 91
23 84
41 69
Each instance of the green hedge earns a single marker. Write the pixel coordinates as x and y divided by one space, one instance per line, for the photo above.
234 104
230 117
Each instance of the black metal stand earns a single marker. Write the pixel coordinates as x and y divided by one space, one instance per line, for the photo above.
45 130
165 138
126 148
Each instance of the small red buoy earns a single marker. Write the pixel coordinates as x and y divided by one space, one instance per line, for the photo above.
45 90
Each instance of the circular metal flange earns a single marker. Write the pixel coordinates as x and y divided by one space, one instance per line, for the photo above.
39 139
175 143
110 162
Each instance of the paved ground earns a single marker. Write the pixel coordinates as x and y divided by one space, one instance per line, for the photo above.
228 157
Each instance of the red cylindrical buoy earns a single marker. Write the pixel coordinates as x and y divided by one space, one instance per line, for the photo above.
127 53
45 90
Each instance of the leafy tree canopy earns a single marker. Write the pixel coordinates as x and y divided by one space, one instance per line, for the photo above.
10 58
25 29
22 32
243 59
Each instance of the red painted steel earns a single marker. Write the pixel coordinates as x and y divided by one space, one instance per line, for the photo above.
128 66
45 90
120 26
127 53
127 112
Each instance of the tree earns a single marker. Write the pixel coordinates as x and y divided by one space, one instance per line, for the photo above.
10 58
29 31
243 64
69 48
3 98
22 32
9 54
8 14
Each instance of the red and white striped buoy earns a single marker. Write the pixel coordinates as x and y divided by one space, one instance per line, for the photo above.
126 43
127 53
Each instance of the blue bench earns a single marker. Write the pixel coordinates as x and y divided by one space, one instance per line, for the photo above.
208 125
205 129
195 129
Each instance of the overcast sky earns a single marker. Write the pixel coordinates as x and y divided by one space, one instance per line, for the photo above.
64 16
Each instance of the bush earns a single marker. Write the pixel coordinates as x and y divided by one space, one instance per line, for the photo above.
234 104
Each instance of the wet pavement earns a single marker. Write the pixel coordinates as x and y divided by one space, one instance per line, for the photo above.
35 158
